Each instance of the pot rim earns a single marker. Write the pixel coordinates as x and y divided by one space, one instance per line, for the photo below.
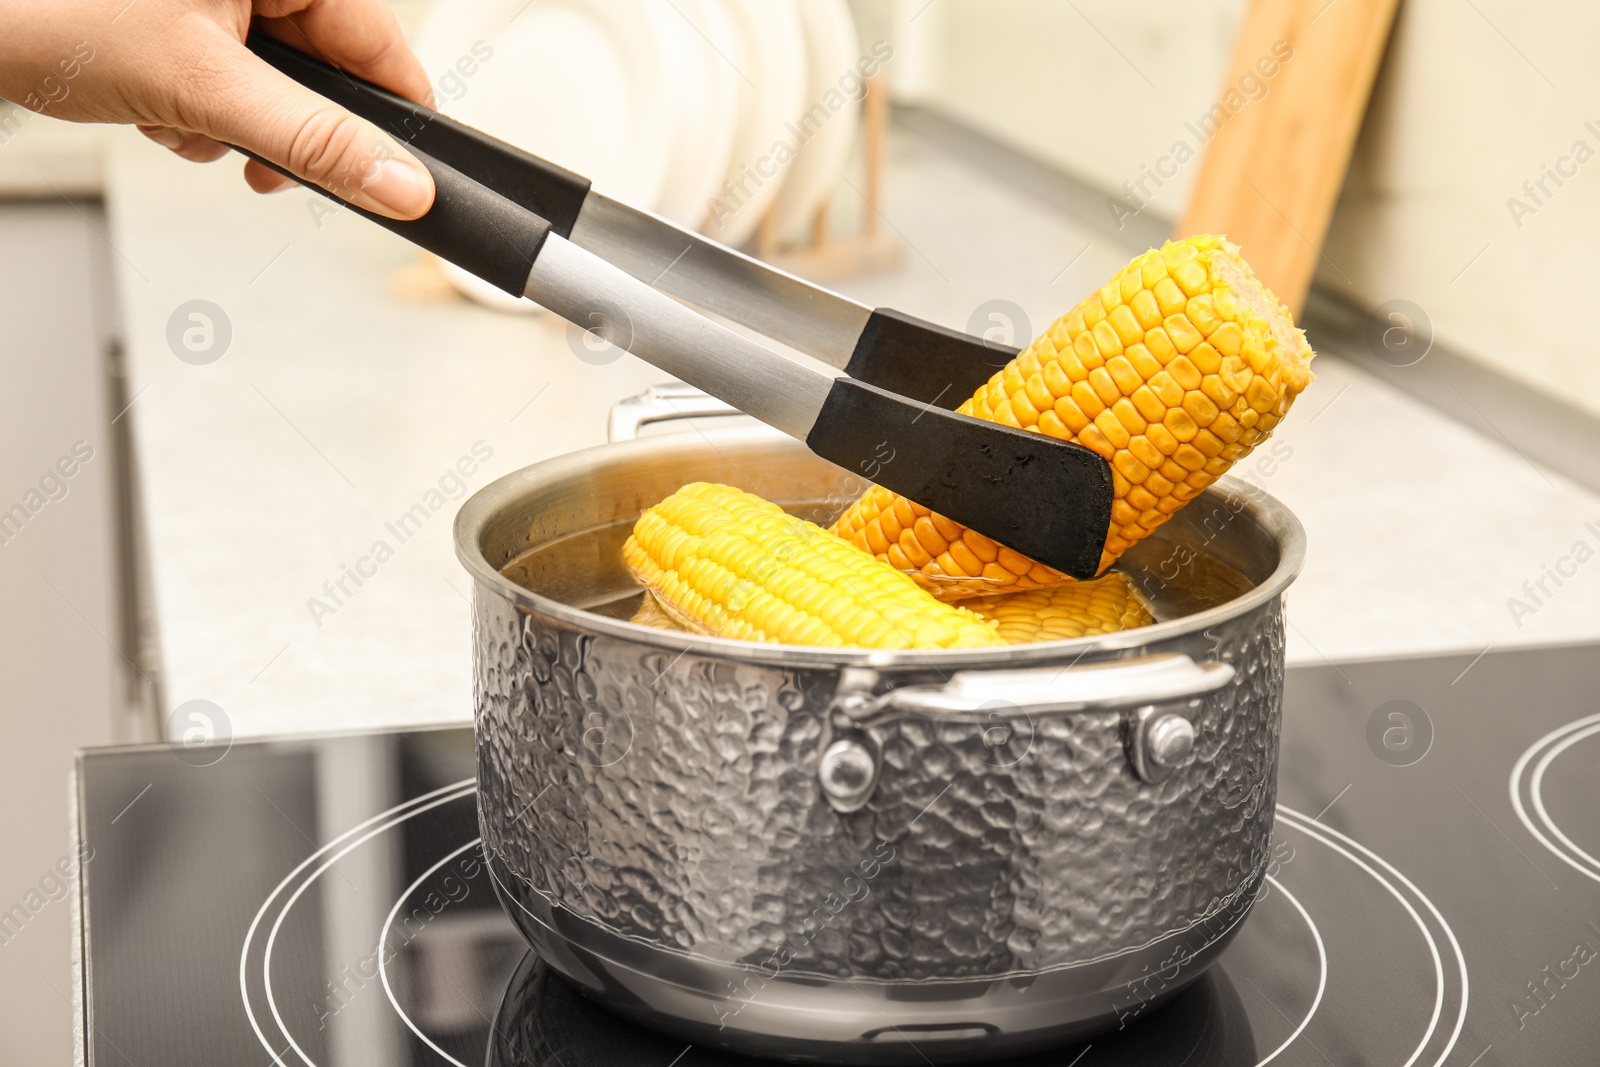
487 503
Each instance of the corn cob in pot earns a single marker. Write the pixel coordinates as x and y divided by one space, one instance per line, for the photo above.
727 563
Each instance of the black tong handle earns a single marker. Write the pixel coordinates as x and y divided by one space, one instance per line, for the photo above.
468 224
490 223
471 224
551 192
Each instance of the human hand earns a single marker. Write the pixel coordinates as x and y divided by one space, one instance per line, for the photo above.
179 70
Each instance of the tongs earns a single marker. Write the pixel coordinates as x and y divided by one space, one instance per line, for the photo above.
874 394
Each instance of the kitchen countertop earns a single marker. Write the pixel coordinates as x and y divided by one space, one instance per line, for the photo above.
339 405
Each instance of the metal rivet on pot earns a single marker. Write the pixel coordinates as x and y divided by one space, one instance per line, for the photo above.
1170 739
1158 740
849 772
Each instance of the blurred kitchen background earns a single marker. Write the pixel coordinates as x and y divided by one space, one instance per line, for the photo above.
218 405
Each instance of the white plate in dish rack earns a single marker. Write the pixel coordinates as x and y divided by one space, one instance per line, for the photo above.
771 64
587 84
710 93
832 52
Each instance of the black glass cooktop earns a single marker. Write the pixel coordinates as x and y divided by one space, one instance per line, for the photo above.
1434 897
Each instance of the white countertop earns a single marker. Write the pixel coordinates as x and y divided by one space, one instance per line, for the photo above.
339 406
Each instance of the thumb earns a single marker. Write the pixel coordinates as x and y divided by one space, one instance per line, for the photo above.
250 104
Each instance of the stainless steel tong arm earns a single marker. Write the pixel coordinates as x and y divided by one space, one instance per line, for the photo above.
784 392
719 279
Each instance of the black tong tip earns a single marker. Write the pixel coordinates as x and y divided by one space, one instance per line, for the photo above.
1048 499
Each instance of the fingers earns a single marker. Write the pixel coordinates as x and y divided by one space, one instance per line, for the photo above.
360 36
244 101
196 147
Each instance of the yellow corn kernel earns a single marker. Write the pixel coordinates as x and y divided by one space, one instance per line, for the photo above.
720 561
1186 339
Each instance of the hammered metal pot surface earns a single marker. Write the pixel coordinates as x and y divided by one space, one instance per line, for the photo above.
651 807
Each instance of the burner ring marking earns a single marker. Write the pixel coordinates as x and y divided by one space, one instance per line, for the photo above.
1317 831
383 940
1558 741
465 787
1322 978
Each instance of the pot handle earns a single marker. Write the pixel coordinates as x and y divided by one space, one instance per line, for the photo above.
982 696
662 403
1158 695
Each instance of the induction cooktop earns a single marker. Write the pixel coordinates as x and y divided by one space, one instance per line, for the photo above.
1433 897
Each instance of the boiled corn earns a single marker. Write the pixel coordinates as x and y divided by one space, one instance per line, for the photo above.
728 563
1173 371
1103 605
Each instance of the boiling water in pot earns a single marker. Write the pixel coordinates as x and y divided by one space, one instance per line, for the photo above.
1176 569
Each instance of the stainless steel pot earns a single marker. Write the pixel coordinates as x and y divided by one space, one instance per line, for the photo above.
860 856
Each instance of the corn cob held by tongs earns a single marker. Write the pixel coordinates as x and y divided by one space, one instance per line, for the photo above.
1173 371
